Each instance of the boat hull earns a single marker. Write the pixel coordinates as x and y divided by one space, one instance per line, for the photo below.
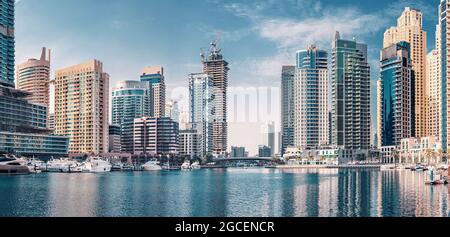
14 169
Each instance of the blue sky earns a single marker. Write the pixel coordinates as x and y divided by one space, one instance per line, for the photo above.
256 37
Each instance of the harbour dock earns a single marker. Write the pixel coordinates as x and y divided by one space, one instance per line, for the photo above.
372 166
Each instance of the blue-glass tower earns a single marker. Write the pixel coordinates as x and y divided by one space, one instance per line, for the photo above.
130 100
397 94
7 43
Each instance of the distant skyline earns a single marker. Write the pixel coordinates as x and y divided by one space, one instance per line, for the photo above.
256 37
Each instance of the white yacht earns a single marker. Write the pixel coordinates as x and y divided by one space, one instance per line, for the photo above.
96 165
35 165
196 165
152 165
63 166
186 165
10 164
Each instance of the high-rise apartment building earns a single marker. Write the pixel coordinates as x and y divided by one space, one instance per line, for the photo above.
434 91
33 76
216 66
444 52
409 29
156 136
397 94
81 106
379 114
172 110
287 107
350 75
201 109
154 77
130 100
268 135
311 98
7 41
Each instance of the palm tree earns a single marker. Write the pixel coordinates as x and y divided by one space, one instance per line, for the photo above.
439 155
428 155
395 155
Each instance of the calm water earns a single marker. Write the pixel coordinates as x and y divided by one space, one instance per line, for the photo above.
232 192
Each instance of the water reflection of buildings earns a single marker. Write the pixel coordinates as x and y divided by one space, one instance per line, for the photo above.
314 192
72 195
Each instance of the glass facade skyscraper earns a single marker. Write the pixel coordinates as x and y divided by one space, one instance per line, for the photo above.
130 100
201 104
154 78
7 43
287 107
397 94
350 74
444 22
311 98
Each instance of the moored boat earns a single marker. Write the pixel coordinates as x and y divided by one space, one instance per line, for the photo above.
196 165
96 165
10 164
152 165
186 165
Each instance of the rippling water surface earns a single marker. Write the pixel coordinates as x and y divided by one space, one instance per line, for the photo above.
232 192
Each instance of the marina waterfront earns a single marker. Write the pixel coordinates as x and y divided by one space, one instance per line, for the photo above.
233 192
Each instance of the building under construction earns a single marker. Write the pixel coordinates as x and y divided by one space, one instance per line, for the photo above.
215 65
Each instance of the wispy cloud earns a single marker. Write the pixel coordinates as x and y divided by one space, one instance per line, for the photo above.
289 34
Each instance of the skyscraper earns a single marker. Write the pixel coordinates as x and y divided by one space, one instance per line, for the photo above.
397 94
350 74
81 106
33 76
216 66
409 29
287 107
444 52
379 113
434 73
434 91
311 98
201 104
268 135
172 110
154 77
7 41
130 100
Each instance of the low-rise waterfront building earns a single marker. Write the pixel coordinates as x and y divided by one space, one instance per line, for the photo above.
237 152
264 151
114 138
156 136
190 144
420 150
389 154
23 127
323 155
